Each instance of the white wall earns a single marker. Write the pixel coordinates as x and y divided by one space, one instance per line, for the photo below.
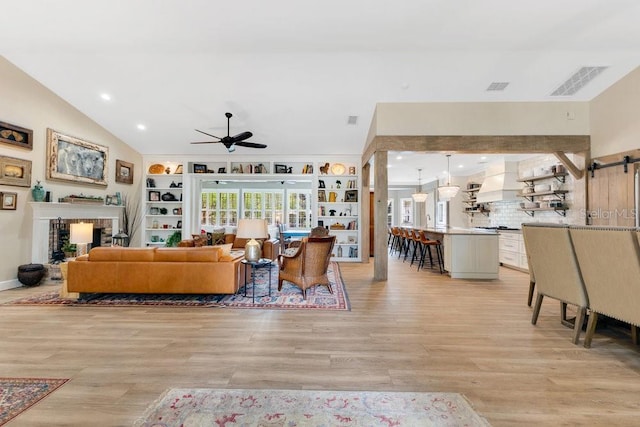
28 104
615 126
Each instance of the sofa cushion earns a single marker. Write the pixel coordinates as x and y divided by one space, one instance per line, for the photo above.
121 254
203 254
225 250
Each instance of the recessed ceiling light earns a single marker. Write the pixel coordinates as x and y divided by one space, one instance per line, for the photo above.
483 158
105 96
398 157
389 166
460 166
141 126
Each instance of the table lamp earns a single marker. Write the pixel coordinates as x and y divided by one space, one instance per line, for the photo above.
81 235
252 229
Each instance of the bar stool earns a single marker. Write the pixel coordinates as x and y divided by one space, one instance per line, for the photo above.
395 241
414 243
425 247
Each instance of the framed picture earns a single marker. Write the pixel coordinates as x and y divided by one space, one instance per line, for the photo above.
322 197
178 169
154 196
197 168
124 172
15 172
351 196
8 201
16 136
179 224
154 211
75 160
222 170
281 168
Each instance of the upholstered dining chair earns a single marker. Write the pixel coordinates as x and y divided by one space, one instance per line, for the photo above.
308 266
556 269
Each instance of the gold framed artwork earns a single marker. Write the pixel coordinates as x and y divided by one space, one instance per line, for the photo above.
73 159
15 171
8 201
16 136
124 172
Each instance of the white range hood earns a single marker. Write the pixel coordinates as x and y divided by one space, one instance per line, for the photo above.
500 183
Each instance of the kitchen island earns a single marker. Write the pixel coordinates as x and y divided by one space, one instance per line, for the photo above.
469 253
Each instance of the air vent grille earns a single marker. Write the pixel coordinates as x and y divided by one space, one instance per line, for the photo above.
352 120
577 81
497 86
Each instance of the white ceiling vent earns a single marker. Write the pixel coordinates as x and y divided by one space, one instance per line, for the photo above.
497 86
576 82
352 120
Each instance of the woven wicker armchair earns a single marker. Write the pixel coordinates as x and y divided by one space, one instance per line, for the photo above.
308 266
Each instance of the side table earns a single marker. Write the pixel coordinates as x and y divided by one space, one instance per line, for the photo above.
255 266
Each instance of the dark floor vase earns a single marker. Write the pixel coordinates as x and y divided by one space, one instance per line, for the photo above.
31 274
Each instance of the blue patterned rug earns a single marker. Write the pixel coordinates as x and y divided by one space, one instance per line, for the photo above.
318 297
19 394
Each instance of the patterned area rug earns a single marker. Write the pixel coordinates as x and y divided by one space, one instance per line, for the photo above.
208 407
318 297
19 394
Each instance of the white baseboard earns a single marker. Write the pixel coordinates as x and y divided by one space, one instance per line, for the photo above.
9 284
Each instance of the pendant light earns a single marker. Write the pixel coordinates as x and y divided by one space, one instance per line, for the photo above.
419 196
448 191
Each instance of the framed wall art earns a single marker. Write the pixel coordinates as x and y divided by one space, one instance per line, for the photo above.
124 172
16 136
8 201
75 160
15 172
198 168
351 196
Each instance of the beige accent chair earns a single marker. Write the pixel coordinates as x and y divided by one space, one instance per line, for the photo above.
609 258
556 270
308 265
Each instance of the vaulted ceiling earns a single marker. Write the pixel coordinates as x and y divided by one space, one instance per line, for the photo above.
292 72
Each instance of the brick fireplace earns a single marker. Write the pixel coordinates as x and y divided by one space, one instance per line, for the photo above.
45 237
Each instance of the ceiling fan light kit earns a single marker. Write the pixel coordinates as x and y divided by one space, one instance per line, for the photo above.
232 141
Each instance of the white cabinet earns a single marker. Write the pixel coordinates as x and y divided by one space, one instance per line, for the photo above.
471 256
163 205
338 205
512 251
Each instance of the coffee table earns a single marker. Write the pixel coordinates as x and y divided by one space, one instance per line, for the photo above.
265 263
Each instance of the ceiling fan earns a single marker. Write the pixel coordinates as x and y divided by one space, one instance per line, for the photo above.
231 141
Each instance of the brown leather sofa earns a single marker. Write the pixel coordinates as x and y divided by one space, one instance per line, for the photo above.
270 247
204 270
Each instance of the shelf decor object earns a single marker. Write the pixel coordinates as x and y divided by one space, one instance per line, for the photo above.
448 191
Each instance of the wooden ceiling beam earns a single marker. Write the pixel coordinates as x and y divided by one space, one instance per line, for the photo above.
481 144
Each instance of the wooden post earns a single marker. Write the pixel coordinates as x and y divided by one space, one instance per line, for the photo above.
364 213
380 196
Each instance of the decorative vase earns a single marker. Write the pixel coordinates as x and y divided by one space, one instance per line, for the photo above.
37 192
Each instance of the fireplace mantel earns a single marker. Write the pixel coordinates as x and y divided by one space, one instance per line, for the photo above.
43 212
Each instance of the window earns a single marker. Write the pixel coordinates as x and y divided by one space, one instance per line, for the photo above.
219 207
299 208
406 211
390 212
263 204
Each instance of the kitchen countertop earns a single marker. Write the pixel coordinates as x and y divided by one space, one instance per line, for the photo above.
459 231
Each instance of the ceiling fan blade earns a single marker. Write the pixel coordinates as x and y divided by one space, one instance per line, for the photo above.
208 134
241 136
251 144
206 142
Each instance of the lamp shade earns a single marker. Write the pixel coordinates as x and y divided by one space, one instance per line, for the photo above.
419 197
81 232
448 192
252 229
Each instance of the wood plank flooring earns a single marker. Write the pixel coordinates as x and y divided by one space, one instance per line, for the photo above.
418 331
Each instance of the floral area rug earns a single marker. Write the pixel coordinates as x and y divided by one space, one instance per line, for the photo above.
209 407
318 297
19 394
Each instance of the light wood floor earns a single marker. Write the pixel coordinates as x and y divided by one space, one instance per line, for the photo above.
419 331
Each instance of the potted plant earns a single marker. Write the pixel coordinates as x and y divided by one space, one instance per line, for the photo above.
174 239
69 249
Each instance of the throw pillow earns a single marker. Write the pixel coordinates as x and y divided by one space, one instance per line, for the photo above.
217 238
224 249
198 240
291 251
